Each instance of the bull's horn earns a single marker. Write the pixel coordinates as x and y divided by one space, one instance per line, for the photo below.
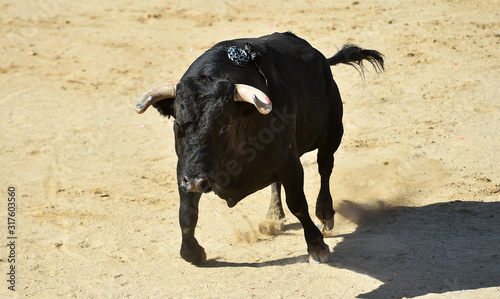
252 95
154 94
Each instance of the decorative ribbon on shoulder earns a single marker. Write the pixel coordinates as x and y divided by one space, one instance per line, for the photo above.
241 56
238 55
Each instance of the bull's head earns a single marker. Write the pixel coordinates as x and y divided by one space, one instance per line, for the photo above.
205 111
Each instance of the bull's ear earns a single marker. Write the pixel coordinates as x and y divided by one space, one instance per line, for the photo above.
161 96
165 107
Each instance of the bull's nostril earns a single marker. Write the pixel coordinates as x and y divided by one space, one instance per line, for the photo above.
186 184
204 184
195 184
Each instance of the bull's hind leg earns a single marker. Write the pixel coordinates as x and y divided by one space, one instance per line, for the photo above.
324 203
275 211
292 178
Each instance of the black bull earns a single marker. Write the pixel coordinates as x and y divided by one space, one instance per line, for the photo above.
233 148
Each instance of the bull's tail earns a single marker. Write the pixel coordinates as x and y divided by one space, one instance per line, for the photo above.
354 56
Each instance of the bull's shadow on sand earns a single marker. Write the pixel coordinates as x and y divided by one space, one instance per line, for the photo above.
416 251
420 250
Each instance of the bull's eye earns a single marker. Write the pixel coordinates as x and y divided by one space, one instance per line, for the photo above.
224 129
178 125
180 128
183 126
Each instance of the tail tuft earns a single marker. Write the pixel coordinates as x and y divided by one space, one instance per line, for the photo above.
354 56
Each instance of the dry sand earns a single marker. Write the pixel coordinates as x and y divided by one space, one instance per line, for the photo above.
416 183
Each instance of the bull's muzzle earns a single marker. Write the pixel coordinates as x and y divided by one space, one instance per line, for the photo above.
201 185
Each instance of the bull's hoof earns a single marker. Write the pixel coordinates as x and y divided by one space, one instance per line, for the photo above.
194 255
326 216
320 253
327 225
320 256
271 227
203 257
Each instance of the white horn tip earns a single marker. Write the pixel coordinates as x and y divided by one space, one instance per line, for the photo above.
142 104
263 105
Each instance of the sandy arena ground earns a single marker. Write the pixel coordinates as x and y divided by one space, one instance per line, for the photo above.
416 183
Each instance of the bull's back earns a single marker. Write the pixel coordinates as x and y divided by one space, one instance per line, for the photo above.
315 94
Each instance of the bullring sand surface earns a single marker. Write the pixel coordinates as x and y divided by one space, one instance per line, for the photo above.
416 182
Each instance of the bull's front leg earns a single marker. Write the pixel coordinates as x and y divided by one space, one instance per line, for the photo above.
275 211
292 178
191 251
